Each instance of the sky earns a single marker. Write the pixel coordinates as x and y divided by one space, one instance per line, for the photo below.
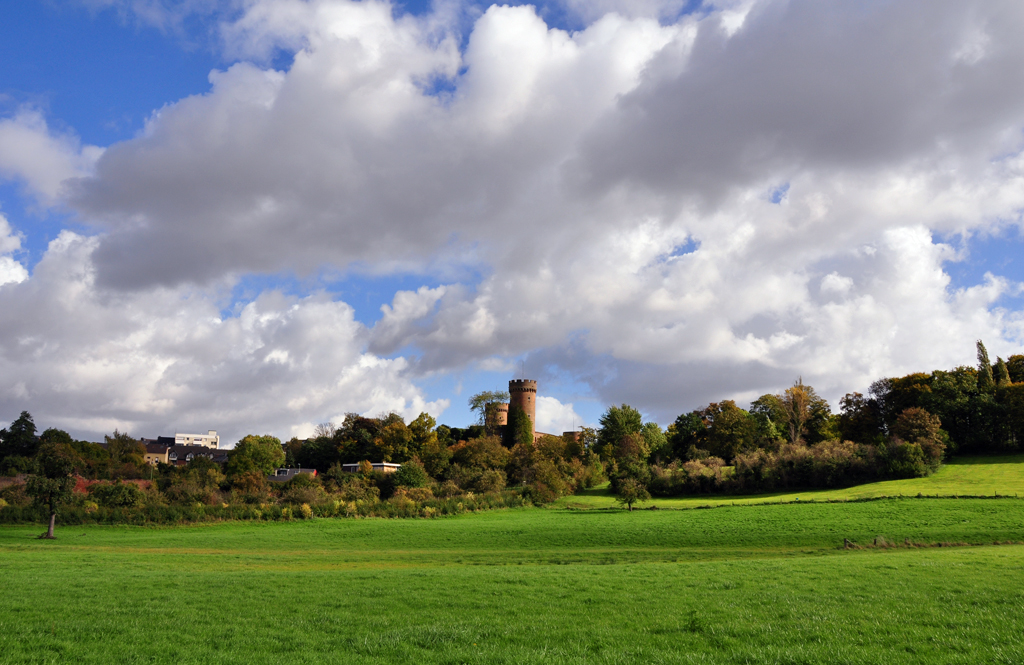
256 216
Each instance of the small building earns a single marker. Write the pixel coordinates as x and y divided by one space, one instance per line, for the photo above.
208 440
284 475
386 467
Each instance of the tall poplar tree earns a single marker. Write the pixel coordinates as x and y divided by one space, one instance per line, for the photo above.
986 382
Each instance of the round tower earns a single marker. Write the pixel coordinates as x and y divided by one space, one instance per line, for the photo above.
523 393
497 415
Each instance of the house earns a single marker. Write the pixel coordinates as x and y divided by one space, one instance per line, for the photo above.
156 453
209 440
284 475
386 467
182 455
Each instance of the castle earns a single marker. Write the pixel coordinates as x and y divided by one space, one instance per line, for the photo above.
523 394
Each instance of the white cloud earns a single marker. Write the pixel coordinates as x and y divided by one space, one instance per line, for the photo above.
40 158
836 283
152 363
11 271
554 417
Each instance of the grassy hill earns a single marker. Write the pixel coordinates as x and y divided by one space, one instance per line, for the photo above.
964 476
737 584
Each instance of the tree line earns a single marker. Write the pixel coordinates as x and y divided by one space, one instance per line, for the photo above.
443 470
903 427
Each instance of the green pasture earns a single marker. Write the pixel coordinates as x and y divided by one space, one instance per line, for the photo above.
964 476
736 584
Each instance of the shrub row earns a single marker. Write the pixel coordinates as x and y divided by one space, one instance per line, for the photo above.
399 506
797 466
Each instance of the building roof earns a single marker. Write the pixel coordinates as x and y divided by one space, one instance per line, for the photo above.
182 453
376 465
284 475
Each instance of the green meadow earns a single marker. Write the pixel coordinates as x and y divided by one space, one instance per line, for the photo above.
736 584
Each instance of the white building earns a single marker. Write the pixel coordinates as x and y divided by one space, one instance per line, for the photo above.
209 440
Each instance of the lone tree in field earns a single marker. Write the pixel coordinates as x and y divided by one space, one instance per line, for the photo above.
53 484
632 491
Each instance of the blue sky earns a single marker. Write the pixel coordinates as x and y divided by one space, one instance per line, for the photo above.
592 203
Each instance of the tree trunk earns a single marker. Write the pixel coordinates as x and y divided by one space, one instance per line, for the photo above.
49 531
630 506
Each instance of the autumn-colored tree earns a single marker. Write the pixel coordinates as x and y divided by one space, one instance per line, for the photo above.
806 413
485 452
393 442
797 403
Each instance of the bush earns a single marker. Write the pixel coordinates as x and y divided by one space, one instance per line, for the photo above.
302 495
303 481
904 460
117 495
15 495
415 493
693 477
492 480
189 493
447 489
356 488
411 474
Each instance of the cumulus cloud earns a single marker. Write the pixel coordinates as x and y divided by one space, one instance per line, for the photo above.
41 159
10 269
554 417
671 209
170 359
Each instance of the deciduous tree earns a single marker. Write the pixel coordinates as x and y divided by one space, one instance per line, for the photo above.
52 484
632 491
262 454
616 423
482 402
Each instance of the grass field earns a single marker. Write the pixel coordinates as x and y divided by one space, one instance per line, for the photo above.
744 584
965 476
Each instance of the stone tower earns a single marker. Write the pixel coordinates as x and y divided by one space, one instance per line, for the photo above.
523 393
497 416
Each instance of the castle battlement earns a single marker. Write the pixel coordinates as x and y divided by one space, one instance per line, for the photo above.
522 386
